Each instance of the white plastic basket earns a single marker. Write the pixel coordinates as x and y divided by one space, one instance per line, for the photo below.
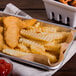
61 12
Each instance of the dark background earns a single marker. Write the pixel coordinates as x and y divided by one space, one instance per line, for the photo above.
36 9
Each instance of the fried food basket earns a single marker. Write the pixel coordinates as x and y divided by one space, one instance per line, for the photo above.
35 63
60 12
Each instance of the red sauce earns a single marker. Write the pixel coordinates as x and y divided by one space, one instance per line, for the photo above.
5 68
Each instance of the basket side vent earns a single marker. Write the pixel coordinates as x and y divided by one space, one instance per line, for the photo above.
59 18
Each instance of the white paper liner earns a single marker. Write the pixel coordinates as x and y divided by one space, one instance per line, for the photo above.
12 9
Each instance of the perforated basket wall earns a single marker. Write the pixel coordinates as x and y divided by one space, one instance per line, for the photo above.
60 12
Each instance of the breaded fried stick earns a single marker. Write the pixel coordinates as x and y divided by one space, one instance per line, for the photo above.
1 29
11 31
1 41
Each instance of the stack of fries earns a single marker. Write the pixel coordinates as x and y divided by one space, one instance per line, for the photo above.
21 37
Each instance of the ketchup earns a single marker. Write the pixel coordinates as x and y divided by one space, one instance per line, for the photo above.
5 68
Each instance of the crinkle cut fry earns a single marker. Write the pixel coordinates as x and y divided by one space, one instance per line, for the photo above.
28 43
50 56
52 47
43 36
20 53
23 48
32 35
14 52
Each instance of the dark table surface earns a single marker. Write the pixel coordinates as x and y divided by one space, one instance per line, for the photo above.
36 9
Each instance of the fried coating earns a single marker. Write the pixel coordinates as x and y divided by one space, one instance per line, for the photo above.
1 41
1 29
74 3
29 22
53 47
5 46
11 32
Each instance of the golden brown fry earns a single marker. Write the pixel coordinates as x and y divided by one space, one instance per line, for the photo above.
49 29
53 47
33 35
23 48
62 38
11 34
40 29
70 36
25 23
37 24
34 50
46 37
14 52
29 22
28 43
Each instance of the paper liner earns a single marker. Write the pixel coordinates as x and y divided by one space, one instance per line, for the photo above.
64 46
61 55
